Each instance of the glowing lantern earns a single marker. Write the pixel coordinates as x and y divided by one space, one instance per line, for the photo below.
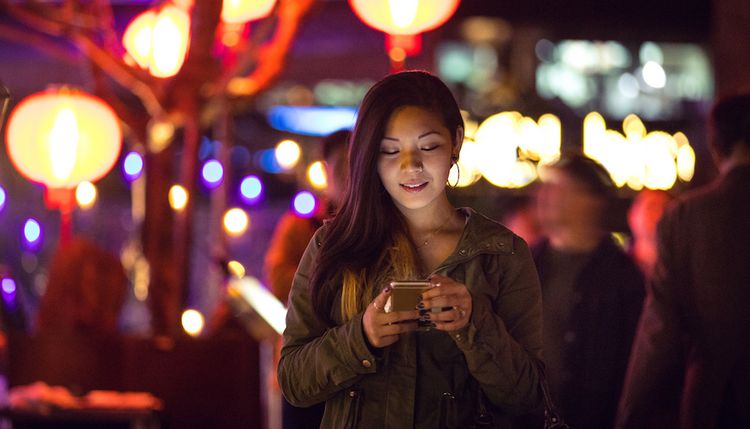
404 17
60 138
158 40
241 11
63 138
403 21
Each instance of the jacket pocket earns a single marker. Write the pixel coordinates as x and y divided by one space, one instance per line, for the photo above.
352 401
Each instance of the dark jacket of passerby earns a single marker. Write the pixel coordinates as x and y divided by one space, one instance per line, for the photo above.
586 364
697 313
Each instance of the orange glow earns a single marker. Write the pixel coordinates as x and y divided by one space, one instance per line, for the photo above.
242 11
159 41
63 138
404 16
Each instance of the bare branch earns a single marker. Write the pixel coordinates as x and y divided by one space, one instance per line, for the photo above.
37 41
121 73
271 58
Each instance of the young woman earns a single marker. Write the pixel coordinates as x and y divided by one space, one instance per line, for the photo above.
375 369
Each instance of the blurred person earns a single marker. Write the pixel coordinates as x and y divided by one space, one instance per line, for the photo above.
288 243
521 217
375 369
592 292
696 316
85 292
643 215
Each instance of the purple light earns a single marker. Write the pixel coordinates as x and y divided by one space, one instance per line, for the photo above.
9 286
251 189
9 293
32 233
213 173
132 166
2 198
304 204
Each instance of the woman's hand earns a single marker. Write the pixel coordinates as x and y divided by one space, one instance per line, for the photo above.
451 295
382 329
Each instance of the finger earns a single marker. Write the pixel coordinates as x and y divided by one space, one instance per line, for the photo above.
442 301
446 316
443 288
397 316
379 302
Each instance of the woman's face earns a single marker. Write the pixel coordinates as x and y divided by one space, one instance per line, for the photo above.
415 157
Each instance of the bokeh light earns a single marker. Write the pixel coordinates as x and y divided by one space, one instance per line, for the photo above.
178 197
251 188
193 322
304 204
86 195
9 286
32 233
236 269
266 160
654 75
316 175
287 154
8 290
212 173
3 197
236 221
132 166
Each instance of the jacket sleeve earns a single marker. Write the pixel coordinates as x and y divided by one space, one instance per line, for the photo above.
318 360
657 341
503 341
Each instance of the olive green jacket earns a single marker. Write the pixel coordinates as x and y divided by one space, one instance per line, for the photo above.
426 379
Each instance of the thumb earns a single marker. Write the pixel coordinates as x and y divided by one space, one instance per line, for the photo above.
382 298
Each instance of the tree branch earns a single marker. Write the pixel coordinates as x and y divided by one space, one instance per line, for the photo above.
271 58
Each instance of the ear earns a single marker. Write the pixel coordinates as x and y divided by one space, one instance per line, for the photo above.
457 144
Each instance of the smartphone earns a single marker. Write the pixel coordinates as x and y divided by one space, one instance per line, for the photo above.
406 296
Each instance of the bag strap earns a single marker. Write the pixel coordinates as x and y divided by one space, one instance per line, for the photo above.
552 419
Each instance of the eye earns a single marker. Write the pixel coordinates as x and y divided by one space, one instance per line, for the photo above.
387 151
430 146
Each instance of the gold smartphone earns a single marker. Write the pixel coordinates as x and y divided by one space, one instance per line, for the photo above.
406 296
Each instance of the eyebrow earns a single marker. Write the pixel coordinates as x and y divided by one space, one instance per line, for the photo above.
420 137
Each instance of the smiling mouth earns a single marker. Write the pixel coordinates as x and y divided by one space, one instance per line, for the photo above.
413 187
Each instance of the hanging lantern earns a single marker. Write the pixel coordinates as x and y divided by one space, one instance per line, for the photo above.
242 11
404 17
60 138
158 40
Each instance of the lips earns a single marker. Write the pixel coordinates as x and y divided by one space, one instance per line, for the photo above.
413 187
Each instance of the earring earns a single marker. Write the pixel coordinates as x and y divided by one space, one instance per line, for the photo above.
458 178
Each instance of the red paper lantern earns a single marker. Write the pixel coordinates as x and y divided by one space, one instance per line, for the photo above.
404 17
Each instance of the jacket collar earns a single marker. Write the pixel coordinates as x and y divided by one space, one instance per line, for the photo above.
481 235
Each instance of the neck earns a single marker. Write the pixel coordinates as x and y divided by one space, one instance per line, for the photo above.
427 219
576 239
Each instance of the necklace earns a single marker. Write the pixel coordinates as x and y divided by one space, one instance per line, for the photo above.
434 232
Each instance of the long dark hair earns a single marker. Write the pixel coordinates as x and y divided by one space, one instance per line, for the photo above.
368 221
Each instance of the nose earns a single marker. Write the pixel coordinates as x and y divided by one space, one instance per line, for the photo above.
411 161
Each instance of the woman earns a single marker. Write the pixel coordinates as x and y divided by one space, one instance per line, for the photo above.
375 369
